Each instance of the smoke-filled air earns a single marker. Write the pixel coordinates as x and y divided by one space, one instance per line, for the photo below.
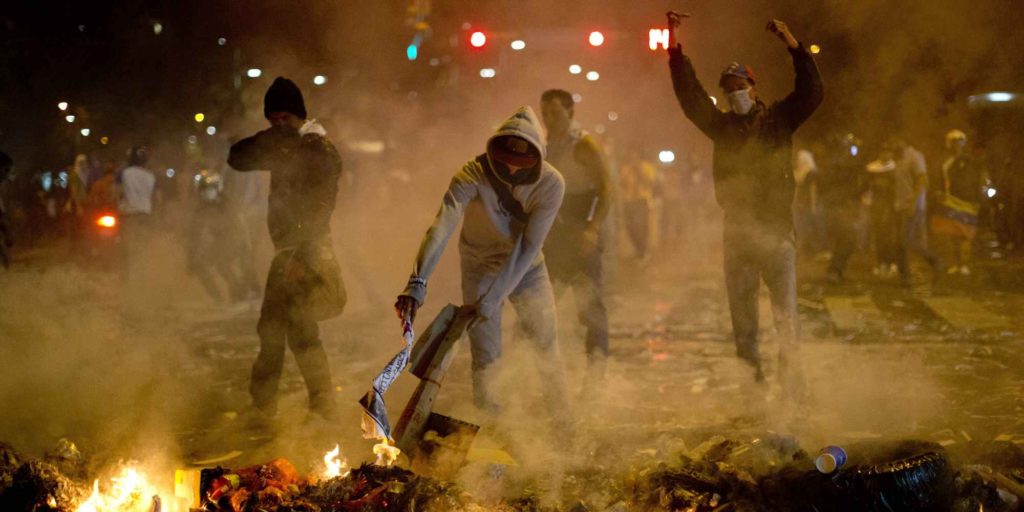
577 256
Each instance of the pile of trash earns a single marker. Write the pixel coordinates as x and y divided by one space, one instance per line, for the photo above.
765 473
773 473
276 486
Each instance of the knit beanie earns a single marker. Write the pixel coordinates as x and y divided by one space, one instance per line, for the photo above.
284 96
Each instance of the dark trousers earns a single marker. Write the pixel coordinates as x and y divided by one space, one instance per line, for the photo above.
753 254
587 282
584 273
912 240
285 320
843 232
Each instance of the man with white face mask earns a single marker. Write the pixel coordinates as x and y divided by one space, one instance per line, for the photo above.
754 185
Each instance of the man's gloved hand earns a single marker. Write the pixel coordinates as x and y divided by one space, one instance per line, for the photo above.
406 307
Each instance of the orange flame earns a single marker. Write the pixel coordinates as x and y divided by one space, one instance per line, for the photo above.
129 492
335 465
386 453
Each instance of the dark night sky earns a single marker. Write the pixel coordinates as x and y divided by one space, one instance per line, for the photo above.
884 64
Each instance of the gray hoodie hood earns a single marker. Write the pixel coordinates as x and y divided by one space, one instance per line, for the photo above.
525 124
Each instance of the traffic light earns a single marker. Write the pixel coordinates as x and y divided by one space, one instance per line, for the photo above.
657 37
478 39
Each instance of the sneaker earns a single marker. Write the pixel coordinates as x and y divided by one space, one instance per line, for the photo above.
964 271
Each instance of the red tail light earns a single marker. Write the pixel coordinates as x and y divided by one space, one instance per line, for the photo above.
107 221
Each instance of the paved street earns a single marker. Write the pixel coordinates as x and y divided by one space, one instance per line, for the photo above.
938 362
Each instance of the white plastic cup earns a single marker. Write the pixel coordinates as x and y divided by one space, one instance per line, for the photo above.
830 459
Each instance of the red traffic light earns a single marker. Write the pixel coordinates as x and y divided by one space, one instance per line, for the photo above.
478 39
596 38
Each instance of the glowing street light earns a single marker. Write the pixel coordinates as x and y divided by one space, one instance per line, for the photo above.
104 140
170 173
199 117
63 105
211 130
999 97
593 76
518 44
613 116
575 69
815 49
69 118
254 72
478 39
666 157
85 132
221 41
319 80
487 73
596 38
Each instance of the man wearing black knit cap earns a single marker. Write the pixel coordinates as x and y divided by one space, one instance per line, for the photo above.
304 285
754 186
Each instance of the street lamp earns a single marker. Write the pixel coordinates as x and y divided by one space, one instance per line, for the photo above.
575 69
319 80
62 105
85 132
199 117
254 72
69 118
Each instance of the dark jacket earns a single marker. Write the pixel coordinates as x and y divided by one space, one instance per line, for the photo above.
753 153
304 171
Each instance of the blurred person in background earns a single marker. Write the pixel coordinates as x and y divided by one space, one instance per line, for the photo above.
78 194
103 191
507 200
754 186
574 248
881 187
954 219
637 180
304 285
216 241
136 186
806 205
843 185
909 205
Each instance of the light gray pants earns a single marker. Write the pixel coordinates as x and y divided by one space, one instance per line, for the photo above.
534 302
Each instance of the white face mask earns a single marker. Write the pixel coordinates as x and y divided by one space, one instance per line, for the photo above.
740 101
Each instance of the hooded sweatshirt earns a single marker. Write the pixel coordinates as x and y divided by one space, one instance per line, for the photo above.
493 243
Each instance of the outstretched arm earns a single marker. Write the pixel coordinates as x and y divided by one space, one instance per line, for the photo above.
808 91
692 97
461 191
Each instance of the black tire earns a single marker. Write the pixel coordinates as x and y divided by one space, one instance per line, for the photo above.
910 475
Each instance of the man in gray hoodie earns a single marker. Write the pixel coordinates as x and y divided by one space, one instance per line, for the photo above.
508 198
